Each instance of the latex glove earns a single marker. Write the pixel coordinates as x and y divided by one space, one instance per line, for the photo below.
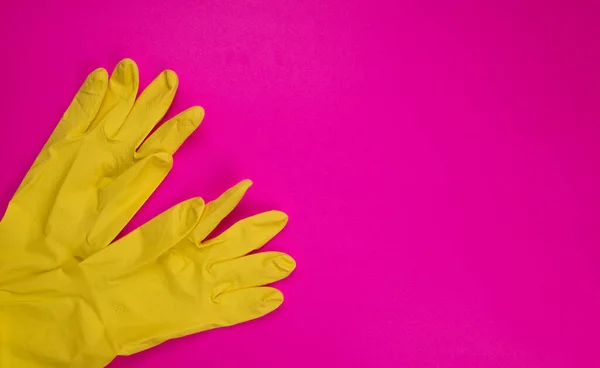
162 281
89 180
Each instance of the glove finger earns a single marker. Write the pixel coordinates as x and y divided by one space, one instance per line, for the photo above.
245 236
119 98
149 108
149 241
83 108
247 304
253 270
120 200
217 210
171 135
229 309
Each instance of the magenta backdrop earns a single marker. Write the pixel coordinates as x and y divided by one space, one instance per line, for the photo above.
439 162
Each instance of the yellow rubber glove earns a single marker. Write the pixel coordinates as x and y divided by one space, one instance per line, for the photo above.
89 180
162 281
67 300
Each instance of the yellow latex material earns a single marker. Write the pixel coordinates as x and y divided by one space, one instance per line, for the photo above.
89 180
68 300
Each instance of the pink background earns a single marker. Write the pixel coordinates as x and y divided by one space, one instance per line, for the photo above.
438 160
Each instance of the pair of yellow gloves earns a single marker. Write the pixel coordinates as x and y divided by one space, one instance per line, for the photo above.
67 297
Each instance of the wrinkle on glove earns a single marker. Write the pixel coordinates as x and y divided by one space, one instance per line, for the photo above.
69 300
